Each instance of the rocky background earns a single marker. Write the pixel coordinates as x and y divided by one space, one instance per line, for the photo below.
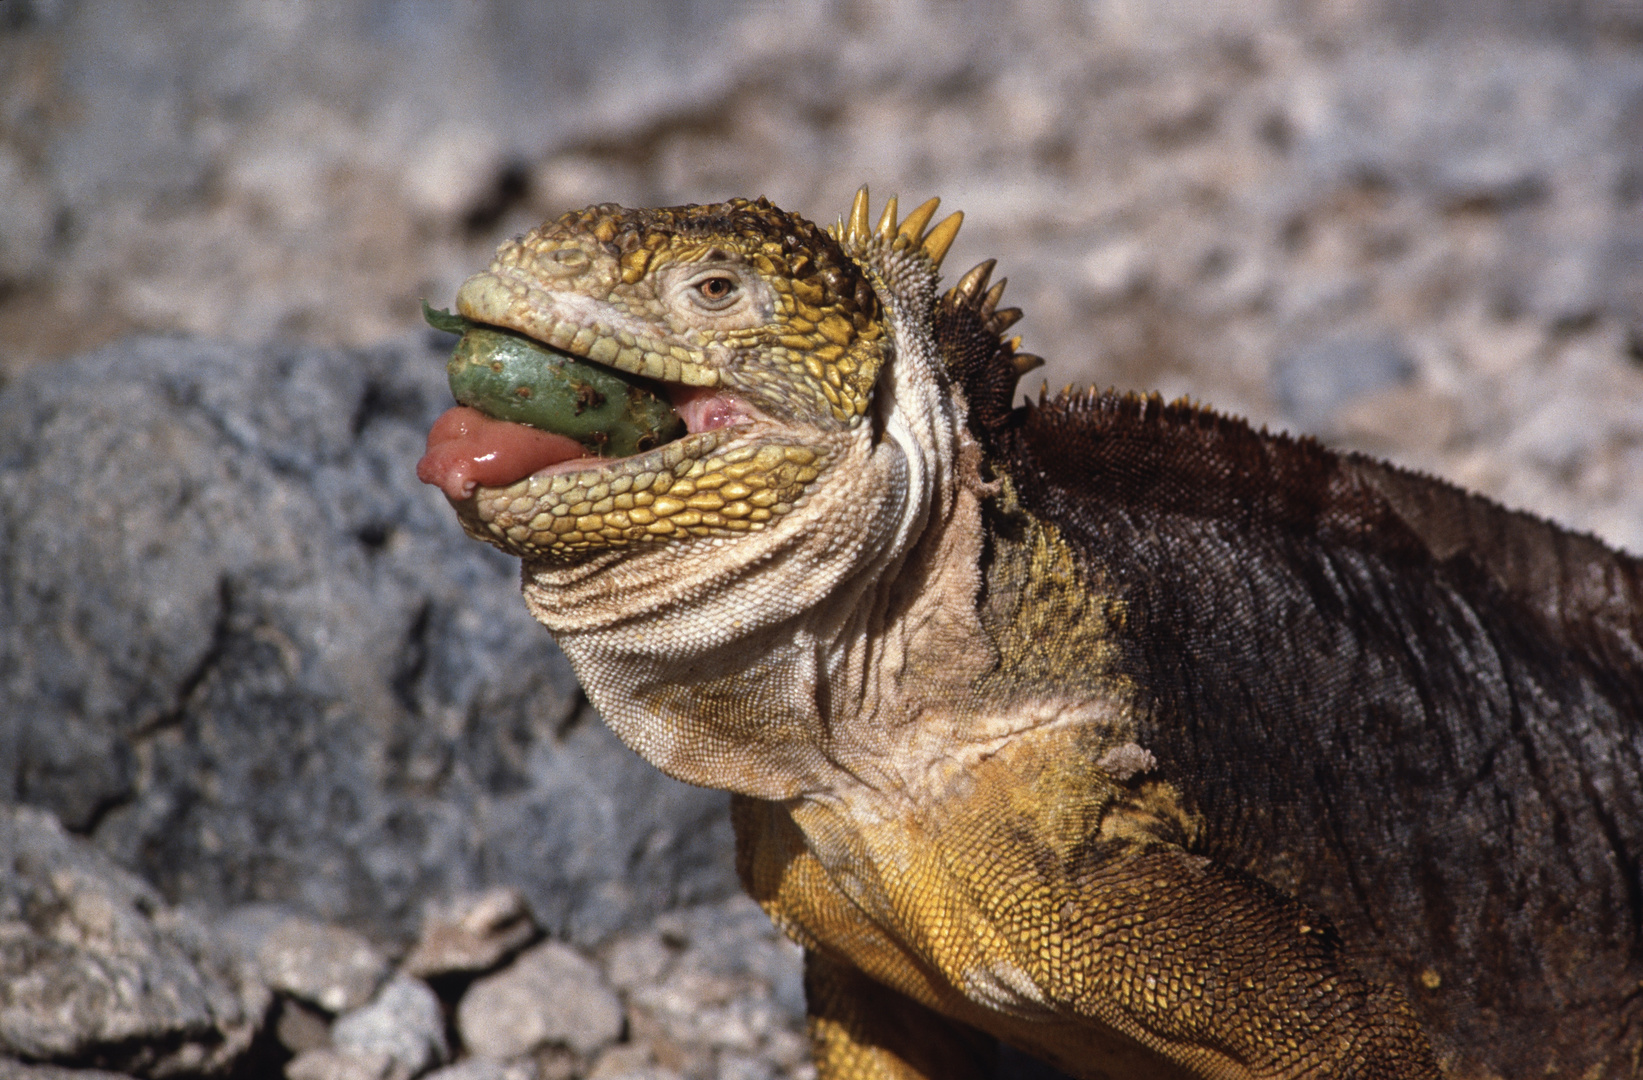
288 780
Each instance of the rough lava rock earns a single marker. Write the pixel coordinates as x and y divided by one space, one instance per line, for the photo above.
328 966
251 657
550 995
96 969
17 1070
329 1064
471 933
403 1021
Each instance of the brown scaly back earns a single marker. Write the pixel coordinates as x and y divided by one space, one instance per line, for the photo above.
1186 459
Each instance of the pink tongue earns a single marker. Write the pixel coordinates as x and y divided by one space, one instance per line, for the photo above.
466 448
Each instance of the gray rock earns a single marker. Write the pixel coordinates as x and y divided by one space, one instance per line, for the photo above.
244 928
96 969
714 990
632 1063
637 961
404 1021
1492 182
329 966
550 995
17 1070
733 1066
257 661
329 1064
622 1060
735 939
471 933
1623 275
695 1007
299 1026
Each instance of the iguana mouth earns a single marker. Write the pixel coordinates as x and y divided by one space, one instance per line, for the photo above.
530 491
526 406
468 450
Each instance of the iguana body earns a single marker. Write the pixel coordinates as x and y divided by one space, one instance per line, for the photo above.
1144 742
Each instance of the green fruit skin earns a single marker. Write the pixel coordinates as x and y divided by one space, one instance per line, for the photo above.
510 377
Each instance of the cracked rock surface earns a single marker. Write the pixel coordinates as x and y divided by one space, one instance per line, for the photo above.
247 654
100 978
96 969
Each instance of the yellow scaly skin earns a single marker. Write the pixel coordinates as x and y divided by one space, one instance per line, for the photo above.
939 794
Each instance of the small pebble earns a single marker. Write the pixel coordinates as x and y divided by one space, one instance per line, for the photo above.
478 1068
637 961
472 933
550 995
403 1021
329 966
328 1064
624 1061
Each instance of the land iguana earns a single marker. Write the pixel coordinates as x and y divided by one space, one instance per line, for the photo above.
1113 730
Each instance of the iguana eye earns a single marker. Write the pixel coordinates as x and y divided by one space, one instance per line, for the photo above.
716 291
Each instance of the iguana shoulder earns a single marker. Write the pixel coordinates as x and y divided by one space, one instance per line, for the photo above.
1116 730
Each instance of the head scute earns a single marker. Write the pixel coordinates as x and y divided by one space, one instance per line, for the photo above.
902 259
965 324
914 235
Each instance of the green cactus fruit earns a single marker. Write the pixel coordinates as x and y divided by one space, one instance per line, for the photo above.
508 376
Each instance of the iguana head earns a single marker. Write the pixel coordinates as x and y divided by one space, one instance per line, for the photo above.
767 332
821 447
